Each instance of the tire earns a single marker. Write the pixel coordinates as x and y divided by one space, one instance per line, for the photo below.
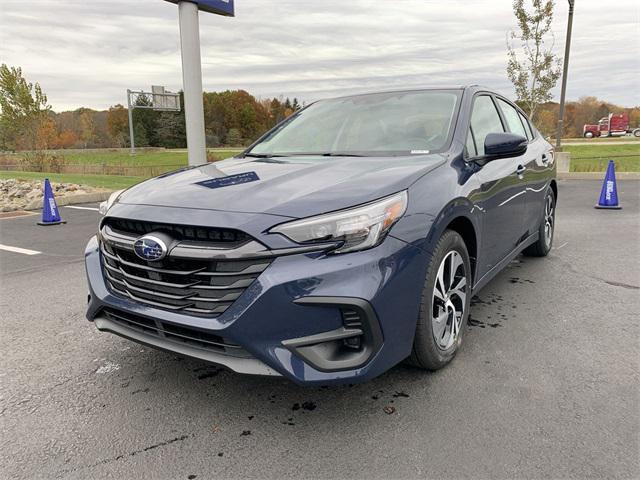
588 135
636 132
543 245
436 342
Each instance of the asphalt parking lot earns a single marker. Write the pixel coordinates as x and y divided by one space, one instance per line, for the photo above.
546 384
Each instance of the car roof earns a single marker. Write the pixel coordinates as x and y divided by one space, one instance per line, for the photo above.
474 87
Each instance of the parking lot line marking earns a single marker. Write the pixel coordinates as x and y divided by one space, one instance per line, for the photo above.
563 245
24 251
83 208
14 214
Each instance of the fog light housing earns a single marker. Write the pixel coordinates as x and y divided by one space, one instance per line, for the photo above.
348 347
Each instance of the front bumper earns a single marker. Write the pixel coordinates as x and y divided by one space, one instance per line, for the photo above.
297 301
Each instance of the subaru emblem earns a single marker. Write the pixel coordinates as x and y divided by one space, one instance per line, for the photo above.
150 248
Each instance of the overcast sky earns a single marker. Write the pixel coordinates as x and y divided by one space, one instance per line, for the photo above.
88 52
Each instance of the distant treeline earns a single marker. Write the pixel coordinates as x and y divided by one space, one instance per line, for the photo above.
232 118
587 110
235 118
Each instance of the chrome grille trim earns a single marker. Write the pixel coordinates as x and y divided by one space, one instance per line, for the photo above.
205 287
207 251
243 283
202 278
129 287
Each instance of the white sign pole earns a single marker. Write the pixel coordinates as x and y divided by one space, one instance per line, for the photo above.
192 82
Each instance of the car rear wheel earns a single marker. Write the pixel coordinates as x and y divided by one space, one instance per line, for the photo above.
445 302
542 247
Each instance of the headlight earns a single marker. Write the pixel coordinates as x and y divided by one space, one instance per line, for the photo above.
359 228
105 206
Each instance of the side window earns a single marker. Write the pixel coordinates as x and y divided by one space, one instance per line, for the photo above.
527 126
513 119
484 120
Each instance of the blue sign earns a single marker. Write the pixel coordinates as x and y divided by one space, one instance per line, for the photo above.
219 7
230 180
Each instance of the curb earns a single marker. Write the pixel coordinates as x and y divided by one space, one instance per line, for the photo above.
75 199
596 175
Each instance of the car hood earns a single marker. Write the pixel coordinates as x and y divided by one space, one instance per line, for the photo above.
290 186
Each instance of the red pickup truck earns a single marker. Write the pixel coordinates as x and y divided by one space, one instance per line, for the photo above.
615 125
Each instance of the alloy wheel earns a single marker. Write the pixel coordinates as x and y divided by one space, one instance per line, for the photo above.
549 219
449 300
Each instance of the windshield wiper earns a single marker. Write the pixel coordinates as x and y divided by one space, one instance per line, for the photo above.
338 154
330 154
263 155
303 154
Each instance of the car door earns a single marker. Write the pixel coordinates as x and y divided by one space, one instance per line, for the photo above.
537 176
501 193
535 162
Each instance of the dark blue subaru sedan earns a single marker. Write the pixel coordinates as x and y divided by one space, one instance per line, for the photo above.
347 239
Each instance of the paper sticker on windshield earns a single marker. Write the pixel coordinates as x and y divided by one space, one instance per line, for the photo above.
419 152
229 180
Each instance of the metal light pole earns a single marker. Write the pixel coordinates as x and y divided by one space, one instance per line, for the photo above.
565 71
192 82
192 69
132 141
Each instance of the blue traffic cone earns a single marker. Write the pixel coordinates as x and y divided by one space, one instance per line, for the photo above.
609 193
50 213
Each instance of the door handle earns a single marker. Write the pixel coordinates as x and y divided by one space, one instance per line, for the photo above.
520 170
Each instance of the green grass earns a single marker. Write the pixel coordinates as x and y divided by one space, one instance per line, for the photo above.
110 182
584 158
143 165
594 158
613 140
175 158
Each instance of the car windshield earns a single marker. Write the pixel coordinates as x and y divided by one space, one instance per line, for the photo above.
397 123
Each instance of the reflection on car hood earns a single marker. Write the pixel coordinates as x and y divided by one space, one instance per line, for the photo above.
290 186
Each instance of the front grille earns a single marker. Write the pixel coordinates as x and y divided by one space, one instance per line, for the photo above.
177 333
201 287
229 237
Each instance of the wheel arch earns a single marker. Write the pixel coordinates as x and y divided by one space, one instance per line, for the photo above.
554 187
464 227
460 216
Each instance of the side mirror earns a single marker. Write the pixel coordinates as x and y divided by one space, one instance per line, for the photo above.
499 145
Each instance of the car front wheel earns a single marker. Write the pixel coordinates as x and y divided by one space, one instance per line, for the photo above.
542 247
445 302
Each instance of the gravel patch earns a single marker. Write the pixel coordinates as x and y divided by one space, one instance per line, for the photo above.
27 194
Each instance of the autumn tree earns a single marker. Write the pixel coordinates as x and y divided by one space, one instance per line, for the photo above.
46 134
532 66
87 128
234 116
67 139
634 117
118 125
23 107
546 121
